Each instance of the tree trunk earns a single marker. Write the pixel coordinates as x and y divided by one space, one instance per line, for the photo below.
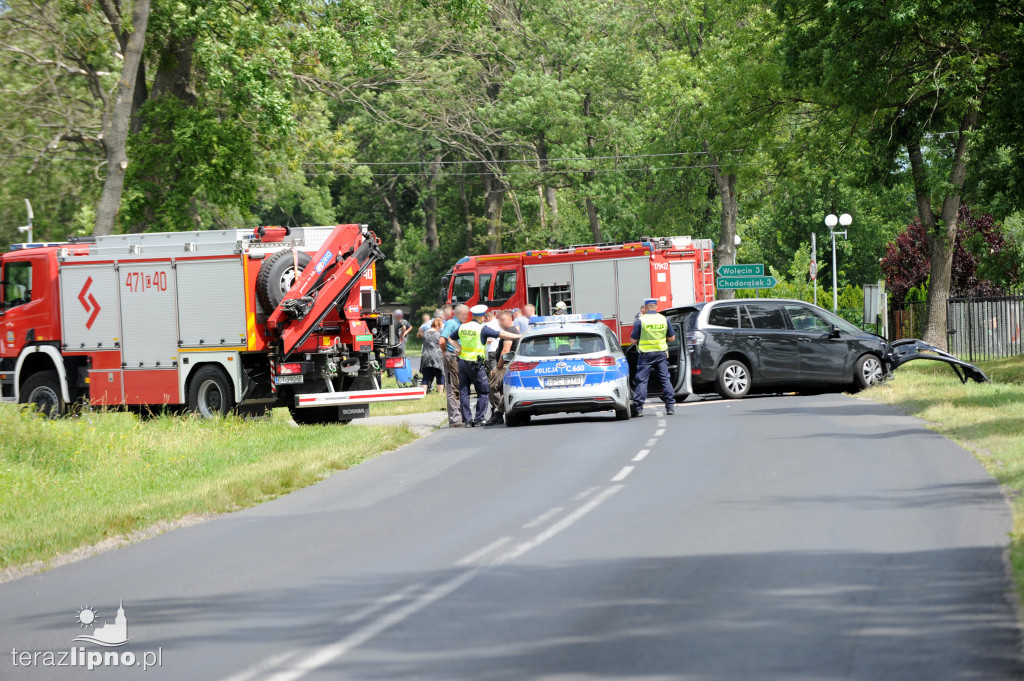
118 122
725 249
494 201
940 229
468 213
548 194
390 198
430 236
588 177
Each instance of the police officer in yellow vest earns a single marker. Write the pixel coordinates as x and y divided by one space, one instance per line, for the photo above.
651 334
472 336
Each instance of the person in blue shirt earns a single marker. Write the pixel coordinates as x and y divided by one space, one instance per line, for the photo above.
651 333
471 337
450 364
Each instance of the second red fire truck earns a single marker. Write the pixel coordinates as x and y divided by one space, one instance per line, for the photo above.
610 279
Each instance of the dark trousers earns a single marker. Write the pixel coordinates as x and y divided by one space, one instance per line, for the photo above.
431 374
657 362
473 374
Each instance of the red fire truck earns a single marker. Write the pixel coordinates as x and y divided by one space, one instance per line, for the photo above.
612 279
212 321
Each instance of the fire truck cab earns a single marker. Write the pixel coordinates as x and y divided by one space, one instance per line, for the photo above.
610 278
212 321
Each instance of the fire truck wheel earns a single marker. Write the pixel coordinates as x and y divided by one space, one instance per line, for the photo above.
210 392
43 390
277 274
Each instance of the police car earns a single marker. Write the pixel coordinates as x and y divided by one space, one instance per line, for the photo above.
566 363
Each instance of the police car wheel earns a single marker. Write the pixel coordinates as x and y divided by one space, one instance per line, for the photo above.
277 274
623 414
43 391
516 420
733 380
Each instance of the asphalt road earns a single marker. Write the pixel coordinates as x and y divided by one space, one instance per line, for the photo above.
772 538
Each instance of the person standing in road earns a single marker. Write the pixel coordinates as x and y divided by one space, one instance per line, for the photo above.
432 360
491 322
522 319
496 378
450 363
402 330
424 325
471 337
651 334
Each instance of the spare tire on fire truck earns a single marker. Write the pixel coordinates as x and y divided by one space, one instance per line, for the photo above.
277 274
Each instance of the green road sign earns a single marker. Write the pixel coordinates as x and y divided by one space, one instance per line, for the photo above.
741 271
746 282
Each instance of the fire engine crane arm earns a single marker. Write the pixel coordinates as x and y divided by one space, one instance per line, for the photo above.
336 268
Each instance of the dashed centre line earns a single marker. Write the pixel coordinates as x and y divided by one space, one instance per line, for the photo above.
659 432
641 455
543 518
621 475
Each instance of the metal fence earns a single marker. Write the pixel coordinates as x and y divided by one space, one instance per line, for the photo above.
985 328
908 322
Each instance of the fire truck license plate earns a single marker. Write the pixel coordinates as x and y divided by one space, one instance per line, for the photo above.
282 380
563 381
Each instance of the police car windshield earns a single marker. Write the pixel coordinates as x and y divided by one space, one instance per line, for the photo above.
557 344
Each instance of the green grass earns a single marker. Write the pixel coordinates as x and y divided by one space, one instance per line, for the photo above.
76 481
987 419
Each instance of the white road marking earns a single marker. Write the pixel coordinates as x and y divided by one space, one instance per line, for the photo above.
262 667
662 423
586 493
543 518
477 555
381 603
650 443
267 665
329 653
621 475
641 455
558 527
659 432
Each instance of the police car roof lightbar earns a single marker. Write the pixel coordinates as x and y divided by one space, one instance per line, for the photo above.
566 319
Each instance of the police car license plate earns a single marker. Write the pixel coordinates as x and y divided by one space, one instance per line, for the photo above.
563 381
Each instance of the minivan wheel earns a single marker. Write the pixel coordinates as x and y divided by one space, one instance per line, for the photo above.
733 380
868 372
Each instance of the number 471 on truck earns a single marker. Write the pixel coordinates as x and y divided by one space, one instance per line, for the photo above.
212 321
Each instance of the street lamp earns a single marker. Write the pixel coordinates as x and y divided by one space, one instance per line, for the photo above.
831 221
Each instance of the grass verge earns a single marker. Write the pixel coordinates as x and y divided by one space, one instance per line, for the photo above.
74 482
987 419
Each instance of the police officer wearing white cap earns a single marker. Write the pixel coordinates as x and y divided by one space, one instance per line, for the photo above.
651 334
471 336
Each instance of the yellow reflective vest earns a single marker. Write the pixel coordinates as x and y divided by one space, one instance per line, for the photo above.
472 346
653 333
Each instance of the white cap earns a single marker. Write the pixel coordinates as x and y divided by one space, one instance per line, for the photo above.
478 310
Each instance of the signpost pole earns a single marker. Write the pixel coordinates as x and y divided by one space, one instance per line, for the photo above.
814 259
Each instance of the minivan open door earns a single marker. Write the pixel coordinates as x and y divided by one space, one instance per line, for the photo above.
678 366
